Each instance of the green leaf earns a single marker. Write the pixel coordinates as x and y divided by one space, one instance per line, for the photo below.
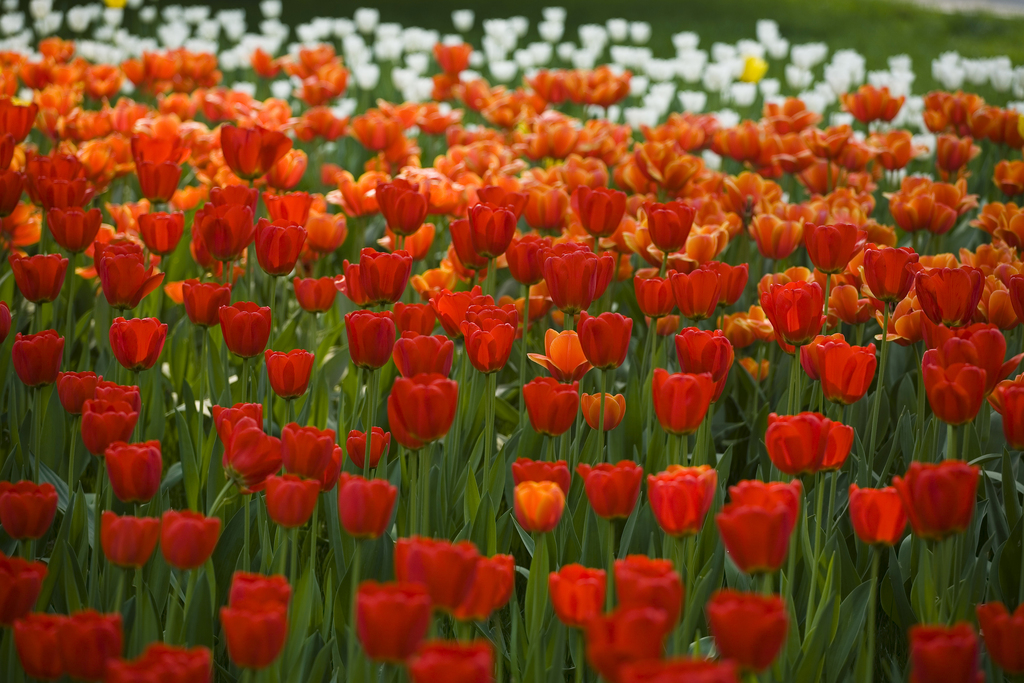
1010 502
852 615
189 465
471 498
537 591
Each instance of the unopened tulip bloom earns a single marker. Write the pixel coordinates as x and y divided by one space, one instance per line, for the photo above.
415 354
524 469
315 296
1004 635
950 296
226 230
36 357
162 231
711 352
576 276
134 470
748 628
889 272
654 296
246 328
26 508
355 446
942 653
104 422
421 409
538 505
614 410
625 636
830 247
125 280
128 541
577 594
306 451
696 293
289 372
404 208
807 443
612 490
278 245
383 276
251 152
681 498
365 505
488 332
794 310
391 619
39 278
203 301
938 497
20 582
75 388
137 343
446 569
491 229
187 538
290 500
251 456
371 337
604 339
757 524
681 400
644 582
225 419
73 228
491 589
255 633
526 257
877 515
668 224
87 642
452 662
955 391
37 640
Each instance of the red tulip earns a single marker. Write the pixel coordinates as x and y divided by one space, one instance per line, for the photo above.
255 633
104 422
157 182
355 446
489 332
187 538
290 500
365 505
125 280
564 357
748 628
20 582
251 456
134 470
289 372
167 663
668 224
226 230
612 489
681 497
877 515
538 505
938 497
203 301
251 152
421 409
491 229
705 352
39 278
36 357
292 207
306 451
577 594
27 509
246 328
391 619
451 307
944 653
315 295
87 641
955 391
446 569
524 469
5 321
526 257
1004 635
415 354
830 247
452 662
403 207
693 670
576 276
950 296
12 184
794 310
137 343
625 636
732 280
75 388
226 419
643 582
491 588
681 400
600 210
128 541
889 273
757 524
1013 416
371 337
807 443
37 639
256 590
696 293
161 231
605 339
980 345
654 296
383 275
73 228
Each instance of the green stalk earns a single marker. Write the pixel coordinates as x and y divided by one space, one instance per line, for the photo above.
69 313
828 285
600 417
819 498
94 557
522 353
872 599
245 540
492 388
38 419
76 424
412 469
609 598
877 404
951 445
293 570
313 531
353 592
371 404
137 631
200 436
138 422
425 492
273 309
684 450
794 371
193 577
219 500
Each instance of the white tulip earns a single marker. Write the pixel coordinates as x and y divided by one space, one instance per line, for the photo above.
693 100
463 19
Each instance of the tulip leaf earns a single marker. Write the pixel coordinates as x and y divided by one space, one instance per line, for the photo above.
627 530
1009 564
527 539
74 582
817 636
1010 502
186 454
852 614
471 497
49 476
998 523
319 667
537 591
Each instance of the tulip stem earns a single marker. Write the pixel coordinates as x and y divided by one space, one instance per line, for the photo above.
579 663
136 649
353 596
492 388
872 599
76 424
868 480
683 450
600 417
138 421
273 309
313 529
522 353
221 497
424 463
609 600
293 563
373 379
951 445
831 502
247 533
794 384
69 313
37 450
824 315
94 558
812 591
193 578
200 436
